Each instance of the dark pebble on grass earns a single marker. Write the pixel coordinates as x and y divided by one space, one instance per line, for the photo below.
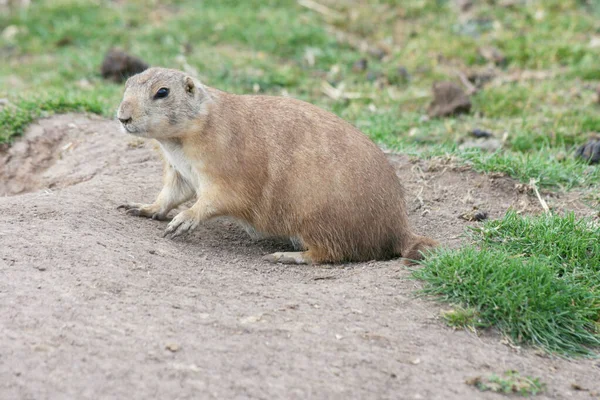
480 133
361 65
475 215
590 151
118 65
403 74
448 99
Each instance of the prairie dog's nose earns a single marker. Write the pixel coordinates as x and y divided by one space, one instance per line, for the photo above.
124 113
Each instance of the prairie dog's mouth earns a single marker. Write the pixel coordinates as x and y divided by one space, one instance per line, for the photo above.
129 129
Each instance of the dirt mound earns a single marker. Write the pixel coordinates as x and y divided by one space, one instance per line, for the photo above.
95 304
59 152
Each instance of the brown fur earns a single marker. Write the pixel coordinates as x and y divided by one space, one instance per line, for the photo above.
282 166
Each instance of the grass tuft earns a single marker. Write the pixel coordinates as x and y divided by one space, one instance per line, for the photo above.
461 317
545 166
570 244
15 117
511 382
535 278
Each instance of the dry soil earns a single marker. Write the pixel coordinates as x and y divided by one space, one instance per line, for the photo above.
95 304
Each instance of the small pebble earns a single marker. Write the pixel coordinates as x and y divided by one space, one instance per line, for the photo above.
448 99
361 65
403 74
172 347
475 215
480 133
589 151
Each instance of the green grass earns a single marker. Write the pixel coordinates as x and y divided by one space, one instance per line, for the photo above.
545 166
511 382
537 279
15 117
461 317
265 44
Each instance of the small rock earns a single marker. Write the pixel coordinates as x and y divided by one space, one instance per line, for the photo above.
578 387
560 156
118 65
474 381
64 41
41 348
398 76
403 73
251 319
172 347
493 55
373 76
594 42
448 99
590 151
10 32
415 361
84 84
474 215
377 52
479 133
361 65
41 267
479 77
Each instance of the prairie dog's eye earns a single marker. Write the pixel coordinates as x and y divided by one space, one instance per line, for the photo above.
161 93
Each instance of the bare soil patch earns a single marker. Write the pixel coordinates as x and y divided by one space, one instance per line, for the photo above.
96 304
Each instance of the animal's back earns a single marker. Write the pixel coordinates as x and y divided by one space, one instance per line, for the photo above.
326 182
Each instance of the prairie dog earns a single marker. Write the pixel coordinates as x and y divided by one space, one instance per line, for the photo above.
283 167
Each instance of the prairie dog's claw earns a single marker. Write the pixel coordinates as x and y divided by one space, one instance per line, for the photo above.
183 223
142 210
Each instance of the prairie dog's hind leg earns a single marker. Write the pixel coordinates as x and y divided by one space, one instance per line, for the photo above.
174 192
292 257
312 255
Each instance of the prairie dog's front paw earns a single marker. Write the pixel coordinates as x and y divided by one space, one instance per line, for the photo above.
184 222
143 210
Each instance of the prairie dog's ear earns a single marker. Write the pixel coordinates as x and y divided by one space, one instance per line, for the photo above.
190 86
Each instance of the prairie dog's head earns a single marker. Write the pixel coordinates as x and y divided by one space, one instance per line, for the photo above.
161 103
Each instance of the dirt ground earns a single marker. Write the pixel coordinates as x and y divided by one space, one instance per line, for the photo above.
95 304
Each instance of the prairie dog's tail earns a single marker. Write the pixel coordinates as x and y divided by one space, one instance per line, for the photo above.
412 252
